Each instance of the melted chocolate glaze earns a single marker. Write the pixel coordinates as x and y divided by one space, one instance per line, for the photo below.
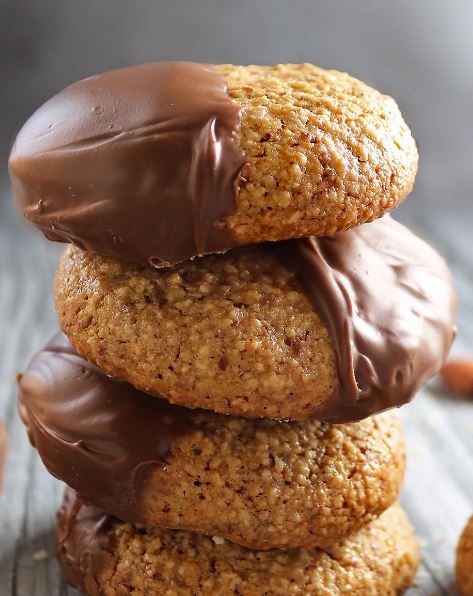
99 435
137 163
85 542
388 301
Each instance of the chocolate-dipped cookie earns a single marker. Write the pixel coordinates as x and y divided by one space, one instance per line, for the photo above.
101 555
335 328
260 483
162 162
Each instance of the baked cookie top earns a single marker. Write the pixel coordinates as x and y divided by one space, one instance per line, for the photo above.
162 162
335 328
260 483
102 555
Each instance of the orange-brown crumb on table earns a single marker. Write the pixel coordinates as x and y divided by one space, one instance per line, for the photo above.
210 157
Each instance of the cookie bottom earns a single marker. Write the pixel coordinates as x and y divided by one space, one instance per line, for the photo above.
102 555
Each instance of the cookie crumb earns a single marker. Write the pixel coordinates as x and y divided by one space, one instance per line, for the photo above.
381 558
40 555
218 540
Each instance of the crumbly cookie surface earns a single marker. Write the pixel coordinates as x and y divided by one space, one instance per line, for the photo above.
464 561
325 151
265 484
380 559
234 333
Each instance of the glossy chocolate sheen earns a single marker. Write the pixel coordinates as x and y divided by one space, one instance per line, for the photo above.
137 163
99 435
389 303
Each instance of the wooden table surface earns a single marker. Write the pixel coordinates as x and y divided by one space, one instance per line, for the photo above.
438 493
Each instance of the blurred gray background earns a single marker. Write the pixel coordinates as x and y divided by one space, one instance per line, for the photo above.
418 51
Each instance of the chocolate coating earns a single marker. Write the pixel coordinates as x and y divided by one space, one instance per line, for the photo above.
151 144
388 301
3 451
64 401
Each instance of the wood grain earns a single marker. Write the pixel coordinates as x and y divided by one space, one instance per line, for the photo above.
439 487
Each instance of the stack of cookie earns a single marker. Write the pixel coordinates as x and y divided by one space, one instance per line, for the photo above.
3 451
232 332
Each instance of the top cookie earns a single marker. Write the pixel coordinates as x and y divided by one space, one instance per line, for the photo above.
162 162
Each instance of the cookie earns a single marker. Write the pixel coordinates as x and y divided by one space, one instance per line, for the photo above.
162 162
464 561
337 328
3 451
101 555
260 483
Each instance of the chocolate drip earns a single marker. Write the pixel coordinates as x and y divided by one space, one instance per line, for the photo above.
85 542
99 435
137 163
3 451
388 301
